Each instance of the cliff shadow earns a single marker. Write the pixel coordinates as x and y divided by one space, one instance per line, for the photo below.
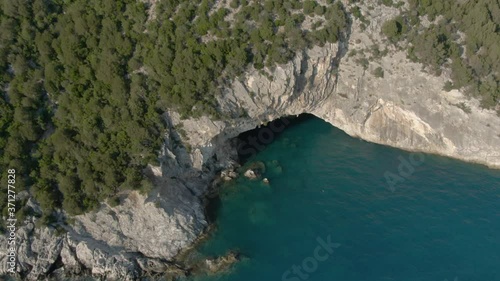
249 144
254 141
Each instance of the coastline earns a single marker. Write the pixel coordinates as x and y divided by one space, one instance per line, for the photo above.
408 110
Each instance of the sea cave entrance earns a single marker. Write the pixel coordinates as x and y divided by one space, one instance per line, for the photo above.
254 141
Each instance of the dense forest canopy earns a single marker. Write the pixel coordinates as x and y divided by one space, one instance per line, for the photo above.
83 83
460 35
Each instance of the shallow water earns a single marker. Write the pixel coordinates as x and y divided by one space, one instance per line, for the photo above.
440 219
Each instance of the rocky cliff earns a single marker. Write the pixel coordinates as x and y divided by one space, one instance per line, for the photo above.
407 109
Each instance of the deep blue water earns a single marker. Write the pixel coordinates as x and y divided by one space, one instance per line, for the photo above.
441 223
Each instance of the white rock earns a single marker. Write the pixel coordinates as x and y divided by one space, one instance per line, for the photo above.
250 174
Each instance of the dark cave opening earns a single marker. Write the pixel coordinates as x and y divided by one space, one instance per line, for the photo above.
254 141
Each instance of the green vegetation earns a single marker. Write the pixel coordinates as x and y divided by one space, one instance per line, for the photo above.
394 28
364 62
84 83
356 12
114 201
308 6
388 3
448 86
463 36
378 72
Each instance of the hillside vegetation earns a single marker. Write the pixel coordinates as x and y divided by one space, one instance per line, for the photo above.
84 82
460 35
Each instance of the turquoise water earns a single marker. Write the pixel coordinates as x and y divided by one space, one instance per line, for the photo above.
441 223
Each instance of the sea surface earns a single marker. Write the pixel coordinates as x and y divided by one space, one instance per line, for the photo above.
339 208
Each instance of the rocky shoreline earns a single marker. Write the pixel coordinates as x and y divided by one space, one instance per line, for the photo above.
145 233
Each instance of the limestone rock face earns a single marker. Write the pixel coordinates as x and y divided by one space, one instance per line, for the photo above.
157 226
122 243
37 250
407 109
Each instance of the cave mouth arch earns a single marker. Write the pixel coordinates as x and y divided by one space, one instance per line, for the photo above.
253 141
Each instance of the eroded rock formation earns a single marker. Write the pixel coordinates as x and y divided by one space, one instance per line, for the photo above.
407 109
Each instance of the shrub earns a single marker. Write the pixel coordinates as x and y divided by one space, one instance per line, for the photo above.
114 201
394 28
378 72
363 62
234 4
319 10
309 6
448 86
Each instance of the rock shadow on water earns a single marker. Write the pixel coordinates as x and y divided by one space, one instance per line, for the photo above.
212 208
255 141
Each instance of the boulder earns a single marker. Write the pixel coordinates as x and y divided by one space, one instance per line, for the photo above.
228 175
251 174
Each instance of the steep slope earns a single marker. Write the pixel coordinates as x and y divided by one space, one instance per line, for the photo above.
407 109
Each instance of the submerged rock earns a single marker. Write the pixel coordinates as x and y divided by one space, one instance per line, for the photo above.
254 169
274 167
153 265
221 264
250 174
